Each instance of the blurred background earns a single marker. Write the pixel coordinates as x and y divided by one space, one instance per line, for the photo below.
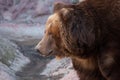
21 28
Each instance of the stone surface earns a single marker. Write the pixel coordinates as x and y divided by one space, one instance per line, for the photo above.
57 67
6 73
11 60
7 51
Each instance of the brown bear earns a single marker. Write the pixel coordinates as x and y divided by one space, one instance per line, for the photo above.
89 33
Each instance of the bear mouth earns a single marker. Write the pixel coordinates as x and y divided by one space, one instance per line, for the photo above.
50 53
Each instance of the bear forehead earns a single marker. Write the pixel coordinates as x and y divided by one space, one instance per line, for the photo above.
53 23
54 17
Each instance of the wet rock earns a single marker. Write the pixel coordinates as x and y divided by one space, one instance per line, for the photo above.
72 75
62 69
6 73
10 55
57 67
11 60
19 61
7 51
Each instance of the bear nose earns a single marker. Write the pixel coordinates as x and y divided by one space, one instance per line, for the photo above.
38 50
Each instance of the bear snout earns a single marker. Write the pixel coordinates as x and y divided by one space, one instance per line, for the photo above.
42 51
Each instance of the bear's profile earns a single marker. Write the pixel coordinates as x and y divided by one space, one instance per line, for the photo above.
89 33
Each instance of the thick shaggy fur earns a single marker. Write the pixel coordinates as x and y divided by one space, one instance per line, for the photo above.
89 33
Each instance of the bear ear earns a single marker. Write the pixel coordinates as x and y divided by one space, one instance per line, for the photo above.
65 14
58 6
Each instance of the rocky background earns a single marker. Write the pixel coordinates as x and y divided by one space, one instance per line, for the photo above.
21 28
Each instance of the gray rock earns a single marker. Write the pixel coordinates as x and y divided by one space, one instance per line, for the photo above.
11 60
61 67
6 73
7 51
10 55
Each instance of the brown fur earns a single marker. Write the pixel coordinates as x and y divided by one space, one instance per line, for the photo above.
89 33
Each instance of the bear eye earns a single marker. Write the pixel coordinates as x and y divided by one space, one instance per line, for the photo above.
45 31
49 33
